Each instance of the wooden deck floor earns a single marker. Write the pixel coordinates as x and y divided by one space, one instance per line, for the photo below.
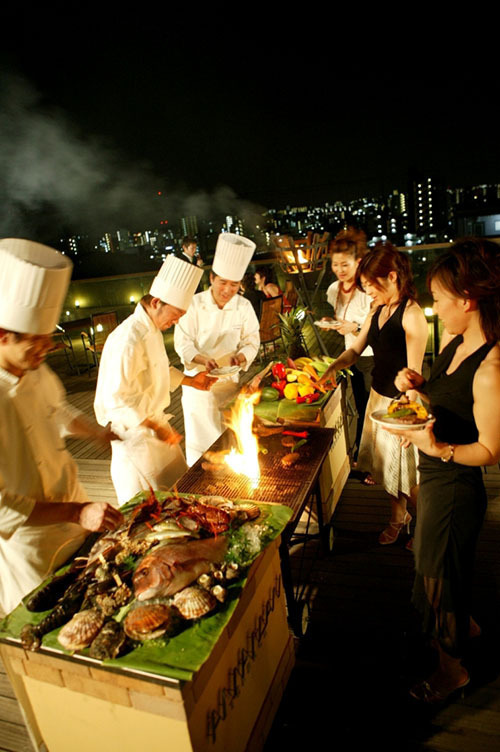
362 650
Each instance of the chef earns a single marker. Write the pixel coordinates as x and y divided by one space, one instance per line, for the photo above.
38 532
134 384
220 329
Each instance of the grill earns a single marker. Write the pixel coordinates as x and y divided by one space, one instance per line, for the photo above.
290 486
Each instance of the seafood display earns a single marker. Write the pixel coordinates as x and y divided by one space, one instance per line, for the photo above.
176 559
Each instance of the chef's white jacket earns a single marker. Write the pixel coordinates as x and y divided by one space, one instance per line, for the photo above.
34 466
134 383
219 334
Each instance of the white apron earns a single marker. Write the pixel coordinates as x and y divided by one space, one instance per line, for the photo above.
141 461
203 417
220 334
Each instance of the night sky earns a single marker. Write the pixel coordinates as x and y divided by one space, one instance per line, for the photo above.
231 116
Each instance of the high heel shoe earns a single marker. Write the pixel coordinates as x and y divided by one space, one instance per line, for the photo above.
391 533
425 692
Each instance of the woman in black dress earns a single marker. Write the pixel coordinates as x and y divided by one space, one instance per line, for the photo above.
396 329
464 395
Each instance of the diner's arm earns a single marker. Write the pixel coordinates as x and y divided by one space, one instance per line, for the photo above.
350 356
416 333
484 451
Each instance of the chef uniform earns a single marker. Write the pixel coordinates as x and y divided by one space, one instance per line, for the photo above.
34 417
134 384
220 334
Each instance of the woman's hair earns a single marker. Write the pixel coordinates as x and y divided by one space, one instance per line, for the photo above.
383 259
351 241
248 281
471 269
267 273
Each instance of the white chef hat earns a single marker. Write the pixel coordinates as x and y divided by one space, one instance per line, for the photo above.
34 281
176 282
232 256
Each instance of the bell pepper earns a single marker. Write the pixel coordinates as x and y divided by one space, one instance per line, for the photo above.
309 398
280 386
279 371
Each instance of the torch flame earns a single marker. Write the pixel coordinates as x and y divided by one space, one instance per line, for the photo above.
245 459
302 259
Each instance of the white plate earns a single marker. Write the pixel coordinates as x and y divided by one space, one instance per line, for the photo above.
225 371
396 424
327 324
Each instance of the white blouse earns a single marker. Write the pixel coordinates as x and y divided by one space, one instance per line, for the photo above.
356 310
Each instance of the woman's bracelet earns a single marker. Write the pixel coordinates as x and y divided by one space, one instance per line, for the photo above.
449 458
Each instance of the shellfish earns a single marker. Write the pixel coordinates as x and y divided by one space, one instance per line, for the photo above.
194 602
109 642
149 620
81 630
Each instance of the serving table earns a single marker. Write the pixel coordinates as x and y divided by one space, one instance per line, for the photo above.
76 702
295 487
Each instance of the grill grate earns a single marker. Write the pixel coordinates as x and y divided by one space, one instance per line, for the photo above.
290 486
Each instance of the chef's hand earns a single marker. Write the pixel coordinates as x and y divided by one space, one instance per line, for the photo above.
99 516
407 379
238 360
201 381
105 435
168 435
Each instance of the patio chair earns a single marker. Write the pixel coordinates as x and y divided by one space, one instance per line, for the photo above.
101 325
270 331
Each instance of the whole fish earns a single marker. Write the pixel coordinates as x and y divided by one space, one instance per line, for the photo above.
170 568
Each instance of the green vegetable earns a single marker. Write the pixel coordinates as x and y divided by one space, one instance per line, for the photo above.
269 394
400 413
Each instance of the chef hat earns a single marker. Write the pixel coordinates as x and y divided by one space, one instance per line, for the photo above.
176 282
232 256
34 281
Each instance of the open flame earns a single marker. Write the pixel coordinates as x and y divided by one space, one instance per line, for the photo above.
245 459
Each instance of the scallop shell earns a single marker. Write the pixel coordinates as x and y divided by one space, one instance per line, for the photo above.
81 630
147 621
194 602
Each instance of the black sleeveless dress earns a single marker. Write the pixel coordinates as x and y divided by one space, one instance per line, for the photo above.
451 506
380 452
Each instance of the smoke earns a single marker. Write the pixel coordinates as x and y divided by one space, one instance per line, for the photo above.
55 180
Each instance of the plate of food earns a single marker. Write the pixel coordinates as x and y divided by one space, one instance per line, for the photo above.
403 414
225 371
327 324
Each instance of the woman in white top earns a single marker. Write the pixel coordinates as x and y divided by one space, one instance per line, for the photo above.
351 307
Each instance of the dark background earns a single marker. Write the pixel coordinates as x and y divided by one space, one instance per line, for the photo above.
233 110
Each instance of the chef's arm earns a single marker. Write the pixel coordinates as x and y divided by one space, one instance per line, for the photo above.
92 516
80 426
164 432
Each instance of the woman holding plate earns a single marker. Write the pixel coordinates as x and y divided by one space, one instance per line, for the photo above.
464 394
397 332
351 307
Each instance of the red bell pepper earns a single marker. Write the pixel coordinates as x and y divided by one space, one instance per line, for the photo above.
279 371
280 386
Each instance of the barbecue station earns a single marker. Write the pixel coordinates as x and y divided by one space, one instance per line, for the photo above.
180 624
